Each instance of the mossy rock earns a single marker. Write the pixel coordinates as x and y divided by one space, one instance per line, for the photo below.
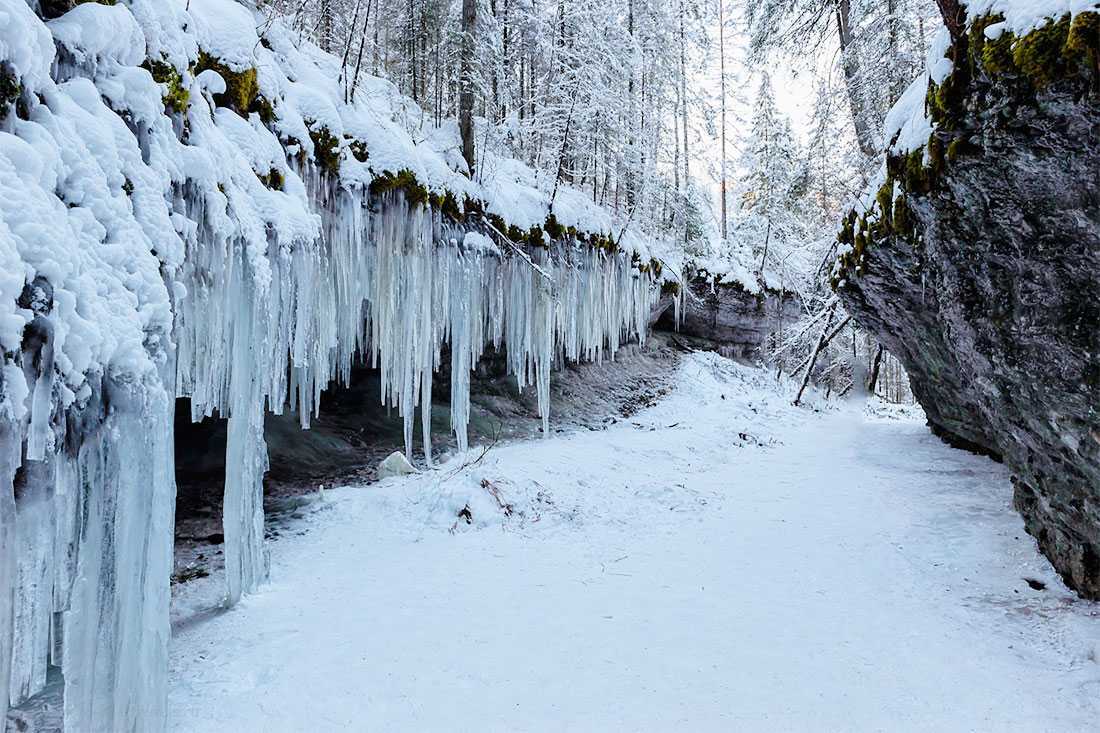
535 237
474 206
242 89
404 181
447 204
497 222
554 229
264 107
273 179
326 147
358 148
10 90
1064 49
176 97
1041 55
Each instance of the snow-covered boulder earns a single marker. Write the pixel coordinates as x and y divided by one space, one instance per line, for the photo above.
395 464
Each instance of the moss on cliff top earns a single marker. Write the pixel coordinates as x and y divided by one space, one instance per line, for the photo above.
1065 50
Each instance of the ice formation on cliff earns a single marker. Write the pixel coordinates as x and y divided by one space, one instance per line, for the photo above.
147 254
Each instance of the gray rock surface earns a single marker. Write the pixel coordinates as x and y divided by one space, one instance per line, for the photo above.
991 298
735 320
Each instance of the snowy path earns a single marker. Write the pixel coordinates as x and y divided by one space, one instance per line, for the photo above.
824 571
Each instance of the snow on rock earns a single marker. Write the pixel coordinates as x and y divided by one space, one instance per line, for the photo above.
218 249
25 44
396 464
908 124
1022 16
92 32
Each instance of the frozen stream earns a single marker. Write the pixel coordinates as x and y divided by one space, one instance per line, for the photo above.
720 561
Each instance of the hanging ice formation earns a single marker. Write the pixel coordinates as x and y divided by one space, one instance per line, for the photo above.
157 240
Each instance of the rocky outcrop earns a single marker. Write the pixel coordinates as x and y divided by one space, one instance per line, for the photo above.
979 267
735 320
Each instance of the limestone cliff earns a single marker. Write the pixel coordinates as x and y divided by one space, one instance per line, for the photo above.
978 265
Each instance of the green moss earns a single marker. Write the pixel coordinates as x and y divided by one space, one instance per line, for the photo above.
176 96
937 159
885 199
535 237
241 87
1060 49
995 55
274 179
496 221
670 288
1041 54
474 206
553 228
604 242
128 187
326 148
262 106
404 181
448 205
1083 42
953 149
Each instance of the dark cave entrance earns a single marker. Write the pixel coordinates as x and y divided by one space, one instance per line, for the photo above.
344 444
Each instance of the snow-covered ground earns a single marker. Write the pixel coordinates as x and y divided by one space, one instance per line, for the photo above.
720 561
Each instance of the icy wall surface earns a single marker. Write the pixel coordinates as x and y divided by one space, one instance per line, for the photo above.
190 209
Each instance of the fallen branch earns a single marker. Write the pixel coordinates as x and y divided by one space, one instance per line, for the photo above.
519 251
828 339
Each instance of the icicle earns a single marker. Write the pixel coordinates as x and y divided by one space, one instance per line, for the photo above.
10 445
246 451
34 548
115 627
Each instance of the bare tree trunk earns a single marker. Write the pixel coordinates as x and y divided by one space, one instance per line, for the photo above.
850 64
821 341
876 365
954 17
722 80
466 95
564 147
684 99
359 57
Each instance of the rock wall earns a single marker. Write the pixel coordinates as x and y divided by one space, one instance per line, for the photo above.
734 319
978 265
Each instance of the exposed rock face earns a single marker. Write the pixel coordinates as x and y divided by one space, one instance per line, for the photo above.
982 274
736 320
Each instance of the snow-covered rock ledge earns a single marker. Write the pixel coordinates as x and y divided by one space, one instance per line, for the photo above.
188 207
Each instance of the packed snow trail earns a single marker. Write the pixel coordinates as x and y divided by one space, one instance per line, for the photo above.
722 561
